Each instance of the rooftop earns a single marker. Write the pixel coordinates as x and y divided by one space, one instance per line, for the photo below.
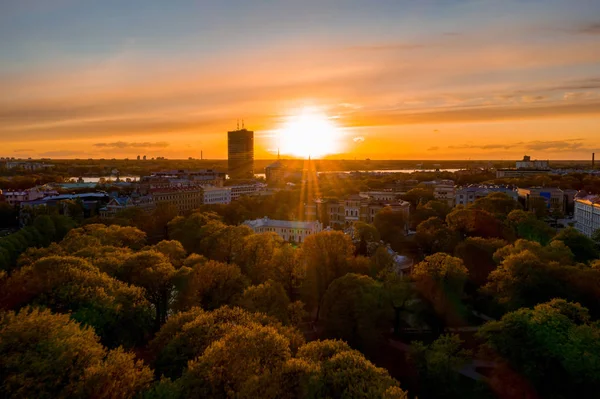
288 224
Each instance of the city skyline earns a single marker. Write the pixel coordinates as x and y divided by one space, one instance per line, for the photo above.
437 79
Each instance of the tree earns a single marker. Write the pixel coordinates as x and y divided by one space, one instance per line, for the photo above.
326 258
162 214
473 222
268 298
119 313
434 236
8 215
173 250
477 255
222 242
438 209
583 247
418 195
243 362
288 269
391 226
210 285
186 335
498 204
187 230
99 234
345 373
401 296
45 355
152 271
527 226
596 238
553 347
354 309
438 365
440 279
256 255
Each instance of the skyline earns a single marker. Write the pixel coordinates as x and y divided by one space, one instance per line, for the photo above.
422 80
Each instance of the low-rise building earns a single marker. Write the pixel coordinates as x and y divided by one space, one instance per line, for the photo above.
118 204
275 172
555 198
16 197
343 213
527 163
445 191
467 195
185 199
587 214
217 195
292 231
387 195
245 189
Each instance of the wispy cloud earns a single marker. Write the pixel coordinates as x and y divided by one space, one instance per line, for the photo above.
433 148
60 153
590 29
537 145
23 150
126 145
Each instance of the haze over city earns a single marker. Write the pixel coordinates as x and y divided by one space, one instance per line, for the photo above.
425 80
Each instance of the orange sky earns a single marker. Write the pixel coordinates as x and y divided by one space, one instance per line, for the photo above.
461 80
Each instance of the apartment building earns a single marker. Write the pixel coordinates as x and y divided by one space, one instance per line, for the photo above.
587 214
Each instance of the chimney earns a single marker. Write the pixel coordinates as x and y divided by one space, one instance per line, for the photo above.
593 159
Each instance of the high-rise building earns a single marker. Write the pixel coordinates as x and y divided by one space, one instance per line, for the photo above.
240 153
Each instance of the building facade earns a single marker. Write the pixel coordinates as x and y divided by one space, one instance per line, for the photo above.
118 204
554 198
240 154
217 195
185 199
467 195
291 231
587 214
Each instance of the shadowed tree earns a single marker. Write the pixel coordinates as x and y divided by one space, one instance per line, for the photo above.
355 310
152 271
554 348
119 313
326 258
440 279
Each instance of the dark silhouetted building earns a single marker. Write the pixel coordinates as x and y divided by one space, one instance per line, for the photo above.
240 153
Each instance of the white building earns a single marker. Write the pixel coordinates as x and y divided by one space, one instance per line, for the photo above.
587 214
527 163
288 230
245 189
468 195
217 195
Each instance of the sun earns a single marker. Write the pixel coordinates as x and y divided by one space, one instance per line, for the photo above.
309 133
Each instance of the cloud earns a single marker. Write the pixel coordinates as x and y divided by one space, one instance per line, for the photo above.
121 145
433 148
537 145
556 145
60 153
23 150
386 47
359 139
590 29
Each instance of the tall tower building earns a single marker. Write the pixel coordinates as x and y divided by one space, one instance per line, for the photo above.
240 153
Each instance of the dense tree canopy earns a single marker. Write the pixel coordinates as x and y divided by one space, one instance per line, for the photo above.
44 355
554 348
